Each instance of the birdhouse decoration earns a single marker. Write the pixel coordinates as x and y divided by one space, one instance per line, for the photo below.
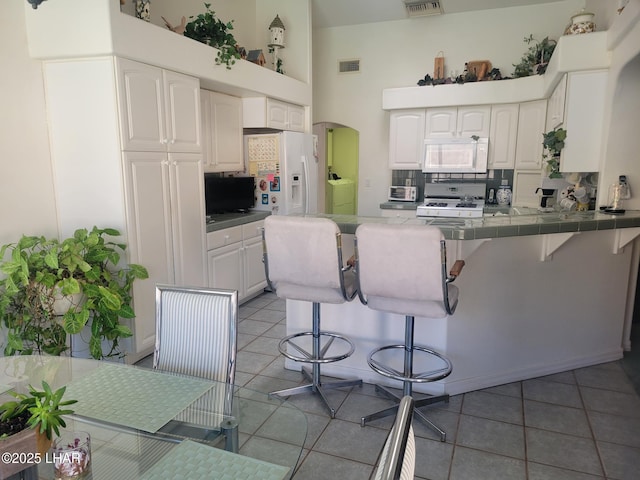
277 39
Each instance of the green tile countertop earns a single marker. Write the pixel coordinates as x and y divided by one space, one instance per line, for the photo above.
396 205
518 222
227 220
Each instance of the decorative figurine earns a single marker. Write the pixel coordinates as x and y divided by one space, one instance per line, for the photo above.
277 41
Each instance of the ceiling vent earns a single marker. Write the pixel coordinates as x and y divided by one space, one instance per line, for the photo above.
422 8
349 66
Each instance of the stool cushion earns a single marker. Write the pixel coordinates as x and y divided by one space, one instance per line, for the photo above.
293 291
414 308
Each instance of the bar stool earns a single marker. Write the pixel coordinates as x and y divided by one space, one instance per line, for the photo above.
402 269
303 261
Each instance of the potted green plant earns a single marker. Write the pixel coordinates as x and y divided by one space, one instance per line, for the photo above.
536 58
27 425
553 142
83 274
210 30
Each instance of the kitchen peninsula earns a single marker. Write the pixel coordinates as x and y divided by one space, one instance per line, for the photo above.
540 294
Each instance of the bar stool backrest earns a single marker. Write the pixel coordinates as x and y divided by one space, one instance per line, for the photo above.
402 269
303 259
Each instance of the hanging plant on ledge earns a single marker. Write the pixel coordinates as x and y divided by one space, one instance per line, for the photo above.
208 29
536 58
553 142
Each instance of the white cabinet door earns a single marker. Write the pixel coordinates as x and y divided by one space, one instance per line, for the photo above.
159 110
225 133
182 112
583 120
263 112
295 114
254 277
406 139
458 122
531 124
188 218
277 114
473 121
502 136
285 116
225 267
165 221
150 242
555 105
141 98
441 122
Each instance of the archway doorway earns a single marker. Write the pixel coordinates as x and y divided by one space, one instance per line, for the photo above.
338 158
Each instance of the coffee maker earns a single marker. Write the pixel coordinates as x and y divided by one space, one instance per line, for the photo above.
548 198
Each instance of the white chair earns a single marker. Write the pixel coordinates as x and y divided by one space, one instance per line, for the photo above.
196 335
402 269
398 457
303 261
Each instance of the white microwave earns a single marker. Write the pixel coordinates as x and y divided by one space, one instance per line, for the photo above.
403 194
455 155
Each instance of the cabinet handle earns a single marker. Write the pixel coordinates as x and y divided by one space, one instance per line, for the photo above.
173 141
165 141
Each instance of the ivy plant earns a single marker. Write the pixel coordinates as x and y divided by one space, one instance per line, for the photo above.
210 30
536 58
553 142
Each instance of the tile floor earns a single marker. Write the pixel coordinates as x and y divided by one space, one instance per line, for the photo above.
576 425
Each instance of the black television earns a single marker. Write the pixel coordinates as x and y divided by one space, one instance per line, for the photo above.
228 194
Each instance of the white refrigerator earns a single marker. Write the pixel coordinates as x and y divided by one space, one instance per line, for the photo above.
285 166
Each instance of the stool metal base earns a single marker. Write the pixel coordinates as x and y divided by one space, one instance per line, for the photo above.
316 357
318 387
408 377
392 410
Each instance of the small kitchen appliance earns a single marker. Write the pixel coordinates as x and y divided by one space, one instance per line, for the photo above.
547 199
617 193
403 193
454 200
456 155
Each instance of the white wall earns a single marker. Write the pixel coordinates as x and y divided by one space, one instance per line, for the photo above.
622 155
397 54
27 204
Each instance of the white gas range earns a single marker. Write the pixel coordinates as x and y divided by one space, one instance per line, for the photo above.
453 200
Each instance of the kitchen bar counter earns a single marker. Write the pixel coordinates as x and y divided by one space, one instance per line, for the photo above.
541 293
520 221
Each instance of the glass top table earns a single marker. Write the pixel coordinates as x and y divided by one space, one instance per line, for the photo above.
146 424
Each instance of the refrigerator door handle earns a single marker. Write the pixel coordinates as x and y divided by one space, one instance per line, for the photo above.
305 169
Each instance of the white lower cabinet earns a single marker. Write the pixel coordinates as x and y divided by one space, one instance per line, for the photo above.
235 259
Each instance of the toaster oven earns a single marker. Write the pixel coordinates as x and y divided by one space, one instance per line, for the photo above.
403 193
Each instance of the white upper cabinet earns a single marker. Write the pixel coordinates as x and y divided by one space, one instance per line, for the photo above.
406 139
160 110
531 125
222 132
583 121
262 112
555 105
503 133
458 122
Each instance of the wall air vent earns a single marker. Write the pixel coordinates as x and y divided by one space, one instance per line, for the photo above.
422 8
349 66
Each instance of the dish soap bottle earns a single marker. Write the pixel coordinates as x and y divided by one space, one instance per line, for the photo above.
503 195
